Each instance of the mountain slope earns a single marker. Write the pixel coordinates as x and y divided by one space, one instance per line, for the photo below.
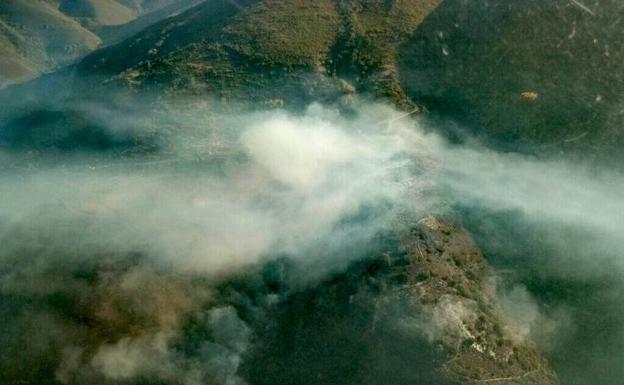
13 64
266 50
452 283
41 36
101 12
98 13
117 33
526 75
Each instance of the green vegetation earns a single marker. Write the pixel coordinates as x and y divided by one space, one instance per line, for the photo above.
274 52
38 37
535 76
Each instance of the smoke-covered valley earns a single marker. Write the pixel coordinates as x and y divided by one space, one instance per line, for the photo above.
194 246
127 266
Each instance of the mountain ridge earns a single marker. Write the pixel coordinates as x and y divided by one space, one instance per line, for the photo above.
39 37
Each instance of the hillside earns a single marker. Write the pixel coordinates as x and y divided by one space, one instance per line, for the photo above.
98 12
152 13
263 51
542 77
526 76
536 77
41 36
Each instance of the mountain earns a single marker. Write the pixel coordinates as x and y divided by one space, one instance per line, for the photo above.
267 51
99 12
527 76
37 37
41 36
443 275
13 64
116 33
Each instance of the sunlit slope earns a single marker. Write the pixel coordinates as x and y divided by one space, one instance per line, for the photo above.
271 51
153 12
98 13
12 64
40 37
102 12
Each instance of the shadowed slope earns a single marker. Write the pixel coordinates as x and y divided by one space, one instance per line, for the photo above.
529 75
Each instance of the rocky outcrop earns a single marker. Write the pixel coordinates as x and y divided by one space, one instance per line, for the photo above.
453 285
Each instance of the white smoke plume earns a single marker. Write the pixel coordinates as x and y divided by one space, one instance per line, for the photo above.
142 241
298 177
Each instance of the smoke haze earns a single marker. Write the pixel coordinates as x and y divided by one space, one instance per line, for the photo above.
160 265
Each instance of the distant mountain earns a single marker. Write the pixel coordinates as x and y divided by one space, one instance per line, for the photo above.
39 36
111 34
99 12
110 12
35 36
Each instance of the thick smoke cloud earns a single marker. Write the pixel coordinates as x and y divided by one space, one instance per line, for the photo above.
117 253
296 178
